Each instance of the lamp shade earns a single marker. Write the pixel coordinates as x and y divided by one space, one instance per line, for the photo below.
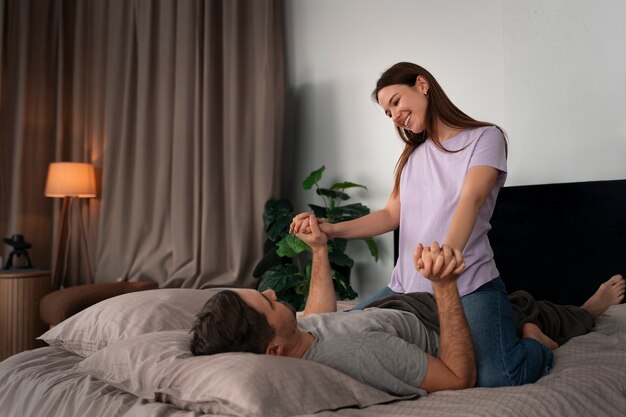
71 179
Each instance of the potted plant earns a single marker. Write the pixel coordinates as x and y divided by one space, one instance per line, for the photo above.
286 264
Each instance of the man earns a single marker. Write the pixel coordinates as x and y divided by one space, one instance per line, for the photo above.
389 349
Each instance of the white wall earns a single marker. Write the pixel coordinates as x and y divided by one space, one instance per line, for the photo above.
552 73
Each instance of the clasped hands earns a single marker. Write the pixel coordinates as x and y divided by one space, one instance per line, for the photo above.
438 264
301 224
313 235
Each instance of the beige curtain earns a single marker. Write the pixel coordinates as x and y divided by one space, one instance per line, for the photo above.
28 122
179 105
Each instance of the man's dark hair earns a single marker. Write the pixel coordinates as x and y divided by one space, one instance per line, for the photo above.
227 324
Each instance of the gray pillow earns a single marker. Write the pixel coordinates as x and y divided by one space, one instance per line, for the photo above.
159 367
128 315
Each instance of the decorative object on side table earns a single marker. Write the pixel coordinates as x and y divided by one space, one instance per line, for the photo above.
70 181
286 265
19 246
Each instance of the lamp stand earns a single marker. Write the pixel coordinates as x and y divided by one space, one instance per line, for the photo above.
84 235
63 243
59 265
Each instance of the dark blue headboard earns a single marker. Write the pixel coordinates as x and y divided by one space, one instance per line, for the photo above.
560 241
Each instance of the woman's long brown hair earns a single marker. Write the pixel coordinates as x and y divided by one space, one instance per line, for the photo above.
439 108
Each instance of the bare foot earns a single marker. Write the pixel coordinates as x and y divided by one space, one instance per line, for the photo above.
609 293
532 331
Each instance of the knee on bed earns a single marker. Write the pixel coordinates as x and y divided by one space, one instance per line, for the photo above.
525 364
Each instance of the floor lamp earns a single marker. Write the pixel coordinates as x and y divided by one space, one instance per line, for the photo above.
70 181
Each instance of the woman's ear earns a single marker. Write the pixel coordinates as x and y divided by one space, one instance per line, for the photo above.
421 84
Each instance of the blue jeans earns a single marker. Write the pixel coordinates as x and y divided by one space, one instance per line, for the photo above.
502 359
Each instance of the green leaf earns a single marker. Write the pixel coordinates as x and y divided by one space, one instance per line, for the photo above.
274 209
337 244
313 178
319 211
347 184
280 278
338 257
269 260
298 301
341 283
290 246
373 247
279 228
332 194
302 288
348 212
277 217
342 287
288 283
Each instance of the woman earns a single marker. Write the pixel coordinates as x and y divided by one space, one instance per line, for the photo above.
446 183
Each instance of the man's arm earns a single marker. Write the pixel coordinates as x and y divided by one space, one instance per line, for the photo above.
456 366
322 297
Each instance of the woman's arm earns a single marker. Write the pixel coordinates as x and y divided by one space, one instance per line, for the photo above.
379 222
478 183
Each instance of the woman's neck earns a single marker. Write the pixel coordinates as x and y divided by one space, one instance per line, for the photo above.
445 132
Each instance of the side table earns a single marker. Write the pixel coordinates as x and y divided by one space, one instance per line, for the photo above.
20 324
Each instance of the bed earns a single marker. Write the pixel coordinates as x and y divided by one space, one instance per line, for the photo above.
128 356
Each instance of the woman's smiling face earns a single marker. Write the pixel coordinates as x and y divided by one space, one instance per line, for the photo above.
406 105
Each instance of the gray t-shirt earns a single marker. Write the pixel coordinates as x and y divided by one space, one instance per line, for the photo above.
381 347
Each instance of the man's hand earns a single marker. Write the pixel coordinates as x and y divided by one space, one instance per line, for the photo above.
314 237
438 264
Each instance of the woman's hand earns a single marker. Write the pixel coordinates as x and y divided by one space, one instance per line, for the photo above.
300 224
438 264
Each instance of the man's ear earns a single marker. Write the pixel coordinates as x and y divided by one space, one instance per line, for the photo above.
276 349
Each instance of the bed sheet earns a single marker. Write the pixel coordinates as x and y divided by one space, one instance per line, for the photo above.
589 379
42 383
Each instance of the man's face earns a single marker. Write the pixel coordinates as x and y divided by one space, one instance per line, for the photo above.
280 315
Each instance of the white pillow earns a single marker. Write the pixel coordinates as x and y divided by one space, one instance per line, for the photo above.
159 366
128 315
